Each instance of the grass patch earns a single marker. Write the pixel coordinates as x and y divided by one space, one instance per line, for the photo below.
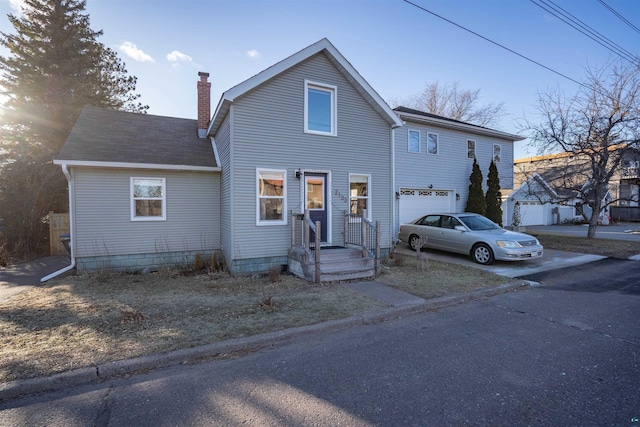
606 247
441 279
80 321
84 320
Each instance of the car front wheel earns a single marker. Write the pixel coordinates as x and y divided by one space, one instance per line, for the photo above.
482 254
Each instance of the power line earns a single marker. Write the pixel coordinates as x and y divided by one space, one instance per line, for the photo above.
497 44
585 29
622 18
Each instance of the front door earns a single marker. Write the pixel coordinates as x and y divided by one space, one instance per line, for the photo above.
315 195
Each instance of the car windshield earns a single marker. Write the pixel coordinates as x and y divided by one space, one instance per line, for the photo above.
478 223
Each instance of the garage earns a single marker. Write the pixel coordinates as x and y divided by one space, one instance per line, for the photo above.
531 213
415 202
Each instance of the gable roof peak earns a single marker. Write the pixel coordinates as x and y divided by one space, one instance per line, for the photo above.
322 45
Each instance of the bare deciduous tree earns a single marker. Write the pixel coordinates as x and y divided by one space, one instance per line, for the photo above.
600 124
459 104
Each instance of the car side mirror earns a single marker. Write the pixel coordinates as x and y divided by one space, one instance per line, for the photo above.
460 228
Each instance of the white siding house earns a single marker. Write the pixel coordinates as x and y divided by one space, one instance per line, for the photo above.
306 134
433 160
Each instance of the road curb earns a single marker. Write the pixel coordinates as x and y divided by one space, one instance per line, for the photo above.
111 370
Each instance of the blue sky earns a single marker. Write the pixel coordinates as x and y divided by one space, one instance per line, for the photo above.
395 46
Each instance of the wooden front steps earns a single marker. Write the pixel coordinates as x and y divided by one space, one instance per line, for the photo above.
336 263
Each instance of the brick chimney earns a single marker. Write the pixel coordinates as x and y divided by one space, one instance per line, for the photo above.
204 104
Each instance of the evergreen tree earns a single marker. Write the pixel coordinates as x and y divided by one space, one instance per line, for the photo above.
54 68
476 201
493 196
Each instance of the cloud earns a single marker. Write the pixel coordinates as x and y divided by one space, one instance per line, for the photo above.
253 54
17 5
177 56
135 53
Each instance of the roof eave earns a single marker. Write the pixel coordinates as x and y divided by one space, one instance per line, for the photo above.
125 165
448 124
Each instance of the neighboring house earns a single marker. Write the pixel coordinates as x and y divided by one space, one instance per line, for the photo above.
433 161
550 187
308 134
540 204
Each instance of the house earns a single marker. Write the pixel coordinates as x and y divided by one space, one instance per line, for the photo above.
433 161
308 134
550 188
143 190
293 167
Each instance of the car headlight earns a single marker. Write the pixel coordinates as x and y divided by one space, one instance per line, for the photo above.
508 244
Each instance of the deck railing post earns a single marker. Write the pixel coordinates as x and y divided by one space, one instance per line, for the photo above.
377 248
293 229
317 251
363 235
346 228
307 235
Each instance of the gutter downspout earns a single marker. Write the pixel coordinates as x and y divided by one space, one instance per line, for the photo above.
394 232
67 174
393 189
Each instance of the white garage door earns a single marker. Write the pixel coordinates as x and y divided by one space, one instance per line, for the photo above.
531 213
416 202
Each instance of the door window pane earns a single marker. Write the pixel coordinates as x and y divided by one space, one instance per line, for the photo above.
315 192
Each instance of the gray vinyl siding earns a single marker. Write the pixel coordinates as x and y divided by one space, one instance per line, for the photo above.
223 144
102 213
450 168
268 132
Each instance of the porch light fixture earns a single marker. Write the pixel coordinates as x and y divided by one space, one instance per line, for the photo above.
298 174
430 185
397 195
457 196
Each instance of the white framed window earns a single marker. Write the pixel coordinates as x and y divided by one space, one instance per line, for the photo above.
497 153
413 145
360 194
271 197
432 143
148 199
320 108
471 149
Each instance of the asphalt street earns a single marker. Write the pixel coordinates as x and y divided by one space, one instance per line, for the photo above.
564 353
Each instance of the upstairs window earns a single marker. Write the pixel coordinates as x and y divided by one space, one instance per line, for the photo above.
148 199
414 141
432 143
271 197
471 149
320 112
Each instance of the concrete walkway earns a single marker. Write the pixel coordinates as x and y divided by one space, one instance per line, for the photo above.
381 292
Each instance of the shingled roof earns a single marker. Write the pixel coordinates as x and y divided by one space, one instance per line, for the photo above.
433 119
118 138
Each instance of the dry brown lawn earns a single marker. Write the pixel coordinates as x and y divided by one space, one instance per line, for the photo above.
80 321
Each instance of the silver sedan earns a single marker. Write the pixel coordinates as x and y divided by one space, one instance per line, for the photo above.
471 234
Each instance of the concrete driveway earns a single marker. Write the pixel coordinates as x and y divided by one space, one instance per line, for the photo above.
24 276
551 260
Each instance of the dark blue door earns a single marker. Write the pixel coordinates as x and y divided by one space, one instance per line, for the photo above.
315 192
